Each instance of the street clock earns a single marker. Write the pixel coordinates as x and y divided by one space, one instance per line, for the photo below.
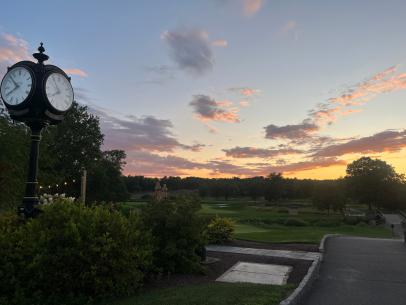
38 95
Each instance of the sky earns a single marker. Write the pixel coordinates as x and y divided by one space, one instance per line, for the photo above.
224 88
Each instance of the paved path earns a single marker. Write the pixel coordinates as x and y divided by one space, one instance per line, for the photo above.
361 271
396 220
265 252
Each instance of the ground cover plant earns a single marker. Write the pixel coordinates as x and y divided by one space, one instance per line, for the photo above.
212 294
260 222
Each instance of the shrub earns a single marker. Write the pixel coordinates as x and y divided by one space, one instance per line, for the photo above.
178 234
70 254
295 222
326 223
351 220
220 230
283 210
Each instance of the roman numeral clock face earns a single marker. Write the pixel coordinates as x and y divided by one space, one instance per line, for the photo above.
16 86
59 91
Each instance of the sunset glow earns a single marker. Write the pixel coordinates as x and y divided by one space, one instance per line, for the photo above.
231 88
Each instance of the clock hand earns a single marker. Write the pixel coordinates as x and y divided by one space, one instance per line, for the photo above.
57 88
11 91
14 82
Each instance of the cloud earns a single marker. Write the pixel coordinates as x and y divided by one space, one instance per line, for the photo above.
153 165
219 43
302 166
252 152
291 132
251 7
76 71
386 141
357 95
226 167
244 103
158 75
190 49
12 50
288 26
82 95
333 108
133 133
245 91
207 109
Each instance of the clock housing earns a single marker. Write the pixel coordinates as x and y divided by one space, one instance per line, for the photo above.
37 106
18 85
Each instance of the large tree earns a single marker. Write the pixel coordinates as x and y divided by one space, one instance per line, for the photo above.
65 150
14 141
373 182
329 195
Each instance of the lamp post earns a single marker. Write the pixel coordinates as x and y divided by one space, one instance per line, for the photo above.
38 95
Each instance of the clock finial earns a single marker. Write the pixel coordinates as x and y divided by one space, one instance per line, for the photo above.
41 56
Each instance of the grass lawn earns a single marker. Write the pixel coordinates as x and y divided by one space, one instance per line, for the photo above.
310 234
211 294
249 216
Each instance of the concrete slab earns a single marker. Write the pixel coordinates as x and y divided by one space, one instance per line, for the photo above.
269 274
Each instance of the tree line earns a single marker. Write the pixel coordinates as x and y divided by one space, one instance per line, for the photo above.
76 144
368 181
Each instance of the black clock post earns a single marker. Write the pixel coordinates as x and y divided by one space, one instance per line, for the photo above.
38 95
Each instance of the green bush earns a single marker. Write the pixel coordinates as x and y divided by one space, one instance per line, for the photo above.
295 222
283 211
178 234
326 222
70 254
220 230
351 220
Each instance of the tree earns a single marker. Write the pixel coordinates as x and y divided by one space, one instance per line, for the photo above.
76 142
105 182
275 187
371 181
329 195
14 143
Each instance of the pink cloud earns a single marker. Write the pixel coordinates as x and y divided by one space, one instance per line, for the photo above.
244 103
220 43
76 71
12 49
253 152
132 133
245 91
251 7
386 141
303 166
207 109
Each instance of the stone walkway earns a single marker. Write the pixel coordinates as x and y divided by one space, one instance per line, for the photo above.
265 252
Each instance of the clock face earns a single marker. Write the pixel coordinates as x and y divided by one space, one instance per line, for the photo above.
16 86
59 91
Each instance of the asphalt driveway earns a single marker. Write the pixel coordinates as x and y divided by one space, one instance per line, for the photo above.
361 271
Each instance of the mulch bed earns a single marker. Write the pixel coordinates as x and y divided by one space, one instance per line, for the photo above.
227 260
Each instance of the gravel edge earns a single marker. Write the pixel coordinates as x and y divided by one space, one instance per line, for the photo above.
300 292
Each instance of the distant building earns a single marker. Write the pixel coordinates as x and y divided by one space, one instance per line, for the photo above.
160 193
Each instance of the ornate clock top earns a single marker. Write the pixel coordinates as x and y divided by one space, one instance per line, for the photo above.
41 56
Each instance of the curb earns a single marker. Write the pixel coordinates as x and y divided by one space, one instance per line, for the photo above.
312 274
323 241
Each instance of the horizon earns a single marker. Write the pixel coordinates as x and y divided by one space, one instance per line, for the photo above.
221 89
